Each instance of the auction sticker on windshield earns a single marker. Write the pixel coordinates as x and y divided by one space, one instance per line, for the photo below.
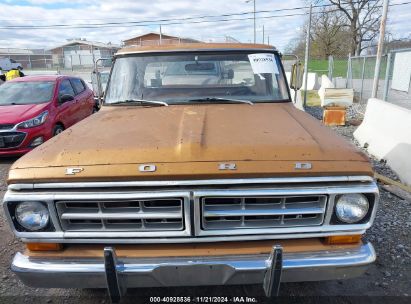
263 63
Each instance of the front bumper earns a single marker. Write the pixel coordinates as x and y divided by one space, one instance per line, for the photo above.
192 271
25 145
14 152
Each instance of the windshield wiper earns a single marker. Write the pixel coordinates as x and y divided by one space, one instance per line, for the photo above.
216 99
141 101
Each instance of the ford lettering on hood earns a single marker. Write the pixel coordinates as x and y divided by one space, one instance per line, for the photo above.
261 139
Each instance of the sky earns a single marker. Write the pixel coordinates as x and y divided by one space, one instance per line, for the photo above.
45 12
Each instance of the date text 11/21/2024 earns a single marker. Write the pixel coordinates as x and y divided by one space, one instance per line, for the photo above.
204 299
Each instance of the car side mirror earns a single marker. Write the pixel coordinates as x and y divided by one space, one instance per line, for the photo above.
65 98
297 72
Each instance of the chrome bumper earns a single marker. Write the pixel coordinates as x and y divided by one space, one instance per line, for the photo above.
222 270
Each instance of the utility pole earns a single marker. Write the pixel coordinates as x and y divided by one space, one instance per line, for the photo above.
307 55
263 35
255 29
380 49
161 36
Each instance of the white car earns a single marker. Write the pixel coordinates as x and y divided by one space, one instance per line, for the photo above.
7 64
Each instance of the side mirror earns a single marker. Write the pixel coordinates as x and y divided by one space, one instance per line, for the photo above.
65 98
297 72
96 83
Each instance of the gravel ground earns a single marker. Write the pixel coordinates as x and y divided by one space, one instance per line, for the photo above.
388 280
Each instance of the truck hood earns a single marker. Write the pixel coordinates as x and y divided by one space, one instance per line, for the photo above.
187 134
13 114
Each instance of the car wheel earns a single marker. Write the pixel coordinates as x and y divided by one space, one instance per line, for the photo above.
57 130
95 110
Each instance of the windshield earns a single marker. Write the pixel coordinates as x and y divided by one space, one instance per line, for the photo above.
192 77
25 92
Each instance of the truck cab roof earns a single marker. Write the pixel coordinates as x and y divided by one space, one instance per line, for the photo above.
185 47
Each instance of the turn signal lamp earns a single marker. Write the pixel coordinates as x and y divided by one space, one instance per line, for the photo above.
343 239
44 246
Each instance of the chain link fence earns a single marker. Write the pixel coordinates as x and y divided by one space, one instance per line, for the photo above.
394 78
65 59
335 67
360 76
397 84
50 62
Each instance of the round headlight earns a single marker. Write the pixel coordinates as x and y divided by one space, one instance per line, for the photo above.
32 215
351 208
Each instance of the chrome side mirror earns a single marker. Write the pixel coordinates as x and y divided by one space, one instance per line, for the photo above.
96 84
297 72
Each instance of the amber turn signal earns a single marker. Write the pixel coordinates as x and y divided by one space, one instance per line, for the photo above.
343 239
44 246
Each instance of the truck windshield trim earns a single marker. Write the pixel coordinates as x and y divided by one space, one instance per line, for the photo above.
218 99
187 77
140 101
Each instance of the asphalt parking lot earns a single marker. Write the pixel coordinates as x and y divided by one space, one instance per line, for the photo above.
390 276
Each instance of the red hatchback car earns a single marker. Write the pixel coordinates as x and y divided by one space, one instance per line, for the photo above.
35 108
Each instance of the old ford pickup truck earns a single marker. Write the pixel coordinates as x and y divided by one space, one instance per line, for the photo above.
198 170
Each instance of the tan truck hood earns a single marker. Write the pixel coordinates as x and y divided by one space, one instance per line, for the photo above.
187 134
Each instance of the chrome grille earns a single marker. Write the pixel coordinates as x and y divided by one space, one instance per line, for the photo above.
219 213
193 192
11 139
142 215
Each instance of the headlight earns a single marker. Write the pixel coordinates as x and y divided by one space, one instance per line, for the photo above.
351 208
34 122
32 215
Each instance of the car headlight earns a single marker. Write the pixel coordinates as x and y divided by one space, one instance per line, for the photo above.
34 122
351 208
32 215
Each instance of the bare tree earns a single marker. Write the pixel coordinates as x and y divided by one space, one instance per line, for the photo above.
328 34
362 20
296 46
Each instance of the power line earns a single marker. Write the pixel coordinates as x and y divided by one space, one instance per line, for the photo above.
194 17
144 25
168 20
163 21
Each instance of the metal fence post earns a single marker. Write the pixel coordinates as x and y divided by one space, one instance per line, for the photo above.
307 55
348 81
362 77
387 77
330 67
380 49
